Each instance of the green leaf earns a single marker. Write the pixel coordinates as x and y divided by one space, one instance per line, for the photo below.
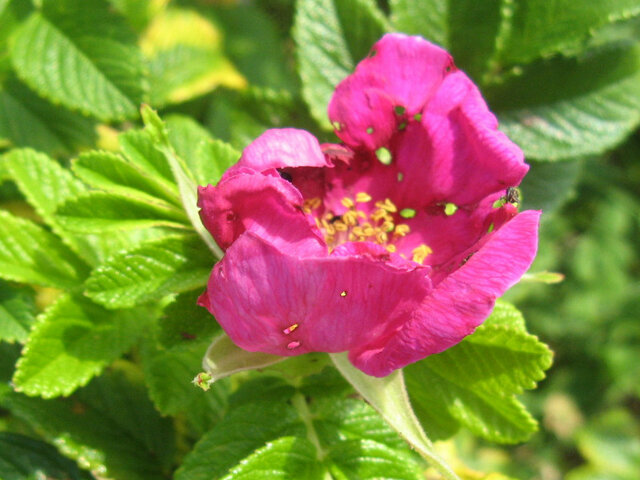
139 148
25 458
340 419
169 374
44 183
476 381
100 211
181 173
369 460
151 271
31 254
428 18
110 172
71 343
185 57
592 103
17 312
547 185
26 120
241 432
206 158
109 427
331 37
388 395
86 60
281 459
541 28
185 321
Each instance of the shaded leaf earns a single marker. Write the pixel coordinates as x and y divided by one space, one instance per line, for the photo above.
17 312
71 343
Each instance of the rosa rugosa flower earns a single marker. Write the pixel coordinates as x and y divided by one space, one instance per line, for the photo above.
391 246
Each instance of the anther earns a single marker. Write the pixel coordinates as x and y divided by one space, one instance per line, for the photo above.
401 230
420 253
343 293
387 205
347 202
363 197
290 329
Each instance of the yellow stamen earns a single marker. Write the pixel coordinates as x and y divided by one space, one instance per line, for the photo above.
420 253
340 226
401 230
350 218
387 205
363 197
387 226
381 237
391 248
380 214
347 202
329 228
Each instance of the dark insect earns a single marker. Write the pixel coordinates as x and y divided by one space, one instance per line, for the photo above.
286 176
512 195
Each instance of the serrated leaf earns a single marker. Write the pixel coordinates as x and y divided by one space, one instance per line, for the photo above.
183 177
389 396
26 120
331 37
26 458
267 388
71 343
340 419
110 172
153 270
139 148
240 433
183 321
475 381
31 254
281 459
540 28
86 60
100 211
368 460
169 374
100 426
185 57
44 182
17 312
593 105
207 159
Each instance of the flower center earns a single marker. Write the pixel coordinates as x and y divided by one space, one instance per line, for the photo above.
379 226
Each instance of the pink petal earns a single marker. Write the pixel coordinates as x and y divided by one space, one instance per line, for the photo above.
402 72
456 149
271 301
459 303
281 148
266 205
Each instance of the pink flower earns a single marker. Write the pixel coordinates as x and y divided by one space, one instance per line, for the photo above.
357 247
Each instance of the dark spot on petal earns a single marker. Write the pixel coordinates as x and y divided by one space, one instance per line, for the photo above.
335 218
372 53
231 217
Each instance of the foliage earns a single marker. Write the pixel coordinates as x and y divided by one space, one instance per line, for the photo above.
102 255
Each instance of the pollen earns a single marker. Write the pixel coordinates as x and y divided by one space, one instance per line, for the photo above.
420 253
343 293
311 204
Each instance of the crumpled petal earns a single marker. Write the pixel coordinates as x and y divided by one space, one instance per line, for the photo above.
402 71
456 149
335 302
280 148
459 303
266 205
